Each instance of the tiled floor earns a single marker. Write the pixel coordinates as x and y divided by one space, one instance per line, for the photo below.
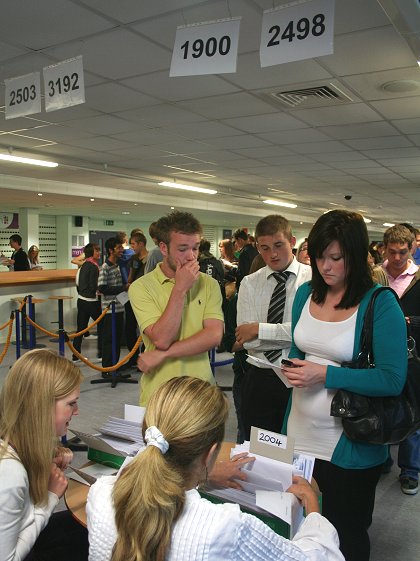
395 532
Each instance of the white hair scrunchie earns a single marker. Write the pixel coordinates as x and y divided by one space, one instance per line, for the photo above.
154 437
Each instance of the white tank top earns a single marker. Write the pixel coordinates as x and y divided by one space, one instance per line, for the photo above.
314 430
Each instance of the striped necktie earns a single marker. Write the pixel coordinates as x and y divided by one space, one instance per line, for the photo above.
276 308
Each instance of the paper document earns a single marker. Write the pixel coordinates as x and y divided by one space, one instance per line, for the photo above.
267 481
89 474
283 505
277 369
122 298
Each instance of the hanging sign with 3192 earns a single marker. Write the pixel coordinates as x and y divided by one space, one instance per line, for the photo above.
64 84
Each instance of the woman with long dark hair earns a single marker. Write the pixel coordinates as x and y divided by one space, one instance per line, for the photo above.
327 319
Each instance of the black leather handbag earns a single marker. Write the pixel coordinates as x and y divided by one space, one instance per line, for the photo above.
380 420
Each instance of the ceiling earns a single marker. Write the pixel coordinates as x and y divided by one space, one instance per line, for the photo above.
227 131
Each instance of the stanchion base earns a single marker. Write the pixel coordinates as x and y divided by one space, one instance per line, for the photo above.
114 380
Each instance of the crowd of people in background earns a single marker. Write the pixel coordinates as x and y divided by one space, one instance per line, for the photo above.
271 303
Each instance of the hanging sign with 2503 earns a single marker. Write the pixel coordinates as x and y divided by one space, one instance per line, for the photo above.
206 48
22 95
297 31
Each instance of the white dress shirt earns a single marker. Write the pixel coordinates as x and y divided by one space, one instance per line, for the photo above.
210 532
253 301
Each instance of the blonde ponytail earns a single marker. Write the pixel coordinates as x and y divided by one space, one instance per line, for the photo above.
149 495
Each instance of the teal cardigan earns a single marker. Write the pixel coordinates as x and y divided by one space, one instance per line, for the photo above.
387 378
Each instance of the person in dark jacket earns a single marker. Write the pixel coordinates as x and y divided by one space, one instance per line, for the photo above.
19 259
246 256
88 305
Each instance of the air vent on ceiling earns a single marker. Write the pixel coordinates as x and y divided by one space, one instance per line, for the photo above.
317 96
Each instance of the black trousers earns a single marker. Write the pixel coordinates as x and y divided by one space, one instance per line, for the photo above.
85 311
62 539
131 331
264 400
348 498
107 338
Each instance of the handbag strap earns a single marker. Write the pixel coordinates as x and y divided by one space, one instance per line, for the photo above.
366 337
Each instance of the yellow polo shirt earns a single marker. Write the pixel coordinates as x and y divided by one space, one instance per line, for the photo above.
149 297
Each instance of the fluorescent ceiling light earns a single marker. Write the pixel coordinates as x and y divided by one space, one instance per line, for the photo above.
388 224
19 160
279 203
187 187
367 220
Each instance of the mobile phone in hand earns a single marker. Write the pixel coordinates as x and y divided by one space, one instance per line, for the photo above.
289 363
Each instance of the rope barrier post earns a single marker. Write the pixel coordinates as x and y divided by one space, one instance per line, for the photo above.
114 337
115 377
24 328
32 336
213 360
17 328
60 328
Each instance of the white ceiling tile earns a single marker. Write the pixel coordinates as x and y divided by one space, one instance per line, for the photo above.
294 136
161 115
319 147
369 86
250 76
209 129
104 125
99 143
7 50
360 130
238 141
379 142
408 126
116 54
339 156
132 10
263 152
409 108
265 123
415 138
148 136
402 153
368 53
59 20
226 106
358 14
160 85
338 115
112 98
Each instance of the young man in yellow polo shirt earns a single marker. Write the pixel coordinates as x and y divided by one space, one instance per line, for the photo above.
178 309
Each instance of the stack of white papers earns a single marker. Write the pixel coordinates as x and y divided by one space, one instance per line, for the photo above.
122 437
267 481
125 434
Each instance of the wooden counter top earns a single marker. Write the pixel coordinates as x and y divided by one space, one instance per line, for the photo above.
37 277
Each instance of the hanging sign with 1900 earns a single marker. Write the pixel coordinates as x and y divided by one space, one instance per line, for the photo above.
206 48
297 31
64 84
23 95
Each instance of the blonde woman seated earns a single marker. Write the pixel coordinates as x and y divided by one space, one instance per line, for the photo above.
37 401
153 512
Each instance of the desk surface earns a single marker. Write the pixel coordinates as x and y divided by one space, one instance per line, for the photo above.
76 494
37 277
